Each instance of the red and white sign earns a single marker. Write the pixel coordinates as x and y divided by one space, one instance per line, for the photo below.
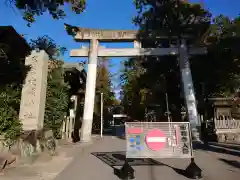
156 140
135 131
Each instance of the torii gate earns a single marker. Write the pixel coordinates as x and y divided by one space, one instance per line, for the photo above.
100 35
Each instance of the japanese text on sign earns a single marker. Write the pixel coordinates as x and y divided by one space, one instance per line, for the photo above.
158 140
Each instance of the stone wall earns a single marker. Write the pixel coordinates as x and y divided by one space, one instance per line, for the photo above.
229 137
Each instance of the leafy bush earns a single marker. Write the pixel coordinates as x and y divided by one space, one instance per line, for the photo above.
57 99
10 125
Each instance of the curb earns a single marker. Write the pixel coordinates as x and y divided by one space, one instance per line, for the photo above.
226 145
225 150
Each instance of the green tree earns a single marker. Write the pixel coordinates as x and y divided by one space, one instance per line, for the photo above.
10 125
57 100
131 89
103 82
103 85
173 19
215 74
12 75
47 44
31 9
221 77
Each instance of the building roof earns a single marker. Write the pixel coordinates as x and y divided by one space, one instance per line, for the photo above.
69 66
10 38
76 76
75 67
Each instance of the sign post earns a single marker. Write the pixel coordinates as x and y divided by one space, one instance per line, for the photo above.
101 115
157 140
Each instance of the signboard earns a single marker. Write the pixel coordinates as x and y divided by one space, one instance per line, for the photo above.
107 35
158 140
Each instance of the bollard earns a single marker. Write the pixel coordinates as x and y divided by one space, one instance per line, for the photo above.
127 172
193 171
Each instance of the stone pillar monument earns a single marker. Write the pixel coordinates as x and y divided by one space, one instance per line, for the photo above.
34 91
90 92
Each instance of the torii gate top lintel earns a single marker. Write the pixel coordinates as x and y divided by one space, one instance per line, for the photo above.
111 35
86 34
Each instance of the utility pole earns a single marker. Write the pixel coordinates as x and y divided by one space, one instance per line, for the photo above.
168 113
101 115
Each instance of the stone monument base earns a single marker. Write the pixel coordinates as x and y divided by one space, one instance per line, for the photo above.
29 146
228 137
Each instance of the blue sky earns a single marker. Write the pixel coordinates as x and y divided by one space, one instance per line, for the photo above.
109 14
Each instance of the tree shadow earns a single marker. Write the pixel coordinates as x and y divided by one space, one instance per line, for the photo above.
233 163
118 158
77 124
207 147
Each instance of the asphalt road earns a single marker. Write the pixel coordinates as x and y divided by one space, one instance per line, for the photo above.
98 161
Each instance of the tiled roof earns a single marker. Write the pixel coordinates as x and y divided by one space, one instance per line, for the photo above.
10 37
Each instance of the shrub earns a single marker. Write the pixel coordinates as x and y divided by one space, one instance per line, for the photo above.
10 125
57 99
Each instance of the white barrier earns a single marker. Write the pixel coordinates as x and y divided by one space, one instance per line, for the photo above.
158 140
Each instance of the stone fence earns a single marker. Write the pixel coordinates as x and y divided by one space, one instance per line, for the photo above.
227 124
227 130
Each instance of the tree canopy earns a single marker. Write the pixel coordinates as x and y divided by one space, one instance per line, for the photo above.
171 18
47 44
103 84
146 80
31 9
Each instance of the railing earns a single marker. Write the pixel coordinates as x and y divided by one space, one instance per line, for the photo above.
227 124
67 129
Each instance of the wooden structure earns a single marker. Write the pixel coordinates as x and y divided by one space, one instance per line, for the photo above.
226 122
76 76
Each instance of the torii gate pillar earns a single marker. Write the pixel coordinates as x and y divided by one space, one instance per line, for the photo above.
188 88
90 92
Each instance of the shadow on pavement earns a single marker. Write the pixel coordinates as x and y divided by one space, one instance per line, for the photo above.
117 158
233 163
212 148
226 145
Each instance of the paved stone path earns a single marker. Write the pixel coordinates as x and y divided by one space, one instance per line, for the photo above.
87 164
45 167
94 162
